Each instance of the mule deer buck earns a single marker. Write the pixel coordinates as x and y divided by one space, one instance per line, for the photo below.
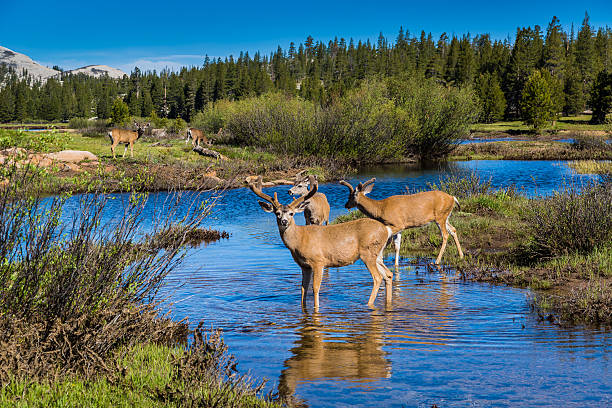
127 137
196 136
314 247
407 211
316 209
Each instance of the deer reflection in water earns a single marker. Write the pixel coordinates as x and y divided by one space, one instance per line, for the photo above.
351 346
352 353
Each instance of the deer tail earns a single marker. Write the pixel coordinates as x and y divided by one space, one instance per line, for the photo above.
457 202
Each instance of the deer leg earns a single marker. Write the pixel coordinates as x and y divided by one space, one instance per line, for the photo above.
453 232
444 233
306 274
125 150
397 242
386 274
113 150
376 278
316 284
132 149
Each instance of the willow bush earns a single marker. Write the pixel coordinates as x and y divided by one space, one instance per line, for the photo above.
376 122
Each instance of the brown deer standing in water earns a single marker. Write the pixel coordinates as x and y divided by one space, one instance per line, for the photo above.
316 209
407 211
126 137
196 135
314 247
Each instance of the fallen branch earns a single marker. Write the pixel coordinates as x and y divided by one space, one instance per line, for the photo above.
209 153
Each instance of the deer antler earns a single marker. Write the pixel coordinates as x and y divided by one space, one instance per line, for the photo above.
256 188
361 186
300 174
345 184
313 190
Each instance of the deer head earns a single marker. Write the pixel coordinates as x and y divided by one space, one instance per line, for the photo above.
364 188
284 213
300 186
141 127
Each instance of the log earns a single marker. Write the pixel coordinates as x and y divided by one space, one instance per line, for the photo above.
209 153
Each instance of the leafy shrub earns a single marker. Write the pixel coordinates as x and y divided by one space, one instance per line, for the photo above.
377 121
584 141
572 221
213 117
178 126
34 141
157 122
72 293
436 116
462 186
78 123
362 126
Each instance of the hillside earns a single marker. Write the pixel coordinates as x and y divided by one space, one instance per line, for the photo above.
20 62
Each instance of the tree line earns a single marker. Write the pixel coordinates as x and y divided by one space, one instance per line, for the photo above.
568 65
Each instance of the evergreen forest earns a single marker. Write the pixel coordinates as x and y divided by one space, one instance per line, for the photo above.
568 64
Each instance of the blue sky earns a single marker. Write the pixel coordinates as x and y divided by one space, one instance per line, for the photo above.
156 34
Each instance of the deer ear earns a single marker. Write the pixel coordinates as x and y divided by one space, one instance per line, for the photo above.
368 189
267 207
300 208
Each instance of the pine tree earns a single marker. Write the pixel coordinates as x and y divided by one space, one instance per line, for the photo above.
601 97
147 103
492 100
585 55
554 52
526 56
120 113
7 105
537 106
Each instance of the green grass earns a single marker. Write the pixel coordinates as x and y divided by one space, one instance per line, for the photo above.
591 166
576 123
146 373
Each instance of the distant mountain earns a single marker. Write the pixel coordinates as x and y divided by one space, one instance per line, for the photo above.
98 71
20 62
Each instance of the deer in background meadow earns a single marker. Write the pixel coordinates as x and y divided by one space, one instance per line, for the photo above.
316 208
126 137
196 136
407 211
314 247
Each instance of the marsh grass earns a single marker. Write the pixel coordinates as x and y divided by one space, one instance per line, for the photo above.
591 166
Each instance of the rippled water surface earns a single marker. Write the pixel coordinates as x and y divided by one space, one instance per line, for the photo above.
442 341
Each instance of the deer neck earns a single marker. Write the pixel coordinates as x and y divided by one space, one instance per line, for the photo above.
369 207
290 235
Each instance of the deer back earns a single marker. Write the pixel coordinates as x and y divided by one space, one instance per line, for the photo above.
336 245
317 209
414 210
123 135
197 134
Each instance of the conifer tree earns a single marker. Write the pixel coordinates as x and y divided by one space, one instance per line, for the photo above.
120 113
492 100
537 106
7 105
585 55
601 97
554 52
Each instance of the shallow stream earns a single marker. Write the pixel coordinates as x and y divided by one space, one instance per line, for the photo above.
443 341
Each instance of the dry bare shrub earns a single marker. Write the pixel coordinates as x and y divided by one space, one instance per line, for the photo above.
74 289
